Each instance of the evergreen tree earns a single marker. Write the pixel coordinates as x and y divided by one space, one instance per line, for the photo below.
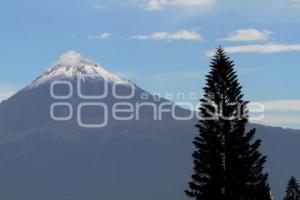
227 163
292 190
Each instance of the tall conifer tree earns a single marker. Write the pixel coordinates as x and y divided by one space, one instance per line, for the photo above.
227 163
292 190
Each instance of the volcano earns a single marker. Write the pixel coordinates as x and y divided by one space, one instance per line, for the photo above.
60 138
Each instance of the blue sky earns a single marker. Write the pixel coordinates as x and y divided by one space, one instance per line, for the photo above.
162 45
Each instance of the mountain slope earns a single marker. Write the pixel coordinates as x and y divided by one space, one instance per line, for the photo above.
41 158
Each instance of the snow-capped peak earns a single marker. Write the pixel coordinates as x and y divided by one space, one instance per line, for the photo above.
72 65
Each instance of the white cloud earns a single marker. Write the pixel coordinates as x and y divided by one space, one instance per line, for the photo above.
105 35
7 91
281 120
263 49
101 36
249 35
282 105
70 58
169 36
154 5
284 113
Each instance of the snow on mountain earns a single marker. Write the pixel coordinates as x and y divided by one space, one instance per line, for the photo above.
125 159
72 65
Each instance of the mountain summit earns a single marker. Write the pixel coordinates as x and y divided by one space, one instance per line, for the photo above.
71 65
64 160
144 158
